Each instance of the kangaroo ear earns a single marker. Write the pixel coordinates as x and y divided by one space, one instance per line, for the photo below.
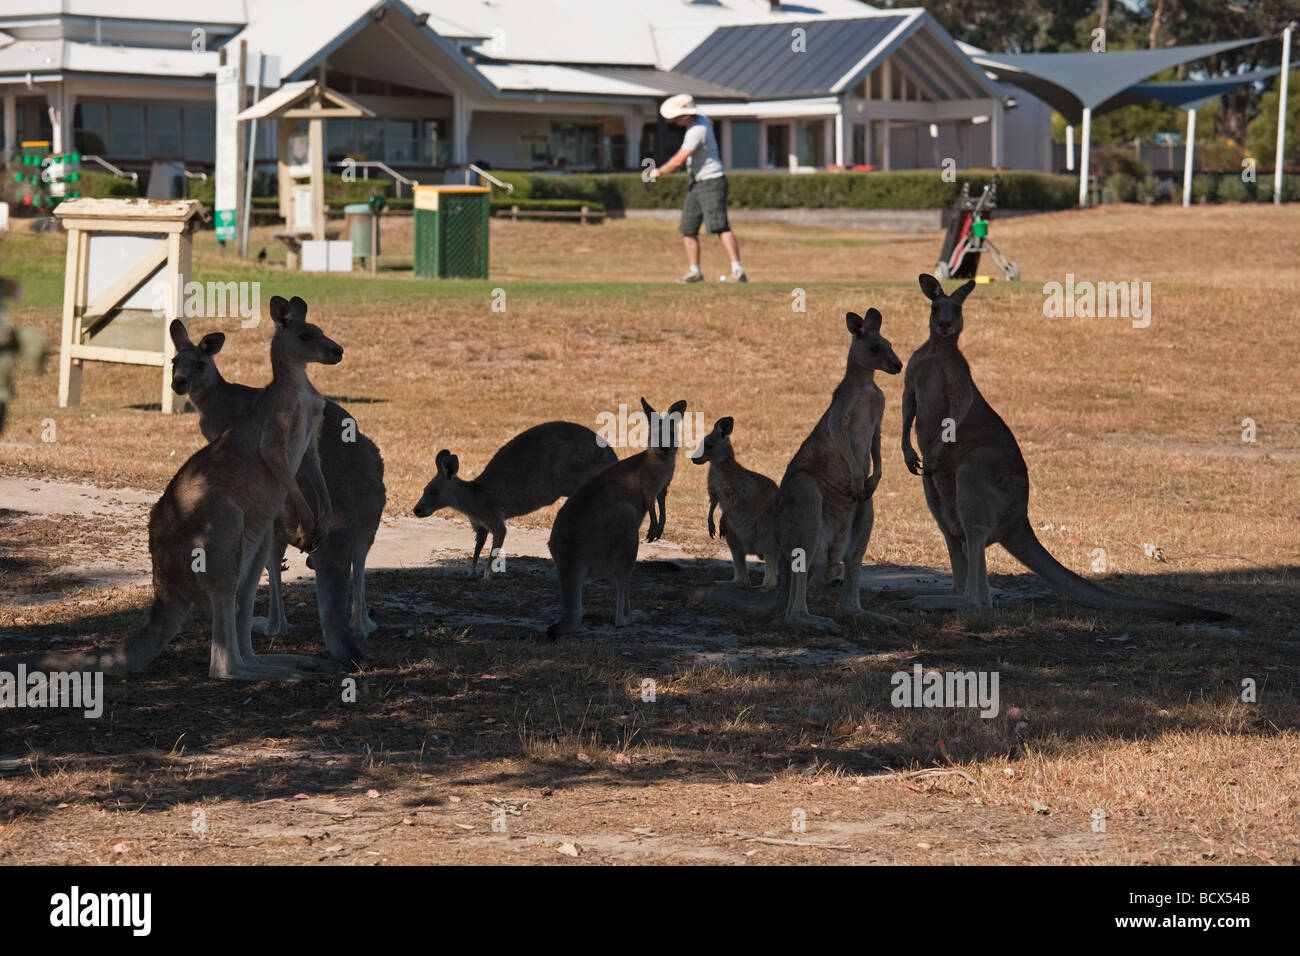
854 322
447 463
645 407
871 321
180 337
725 425
677 408
960 295
279 309
212 342
930 286
298 309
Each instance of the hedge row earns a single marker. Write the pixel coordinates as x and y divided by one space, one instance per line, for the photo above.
1206 188
908 189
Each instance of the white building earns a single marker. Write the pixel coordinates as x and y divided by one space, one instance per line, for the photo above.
519 84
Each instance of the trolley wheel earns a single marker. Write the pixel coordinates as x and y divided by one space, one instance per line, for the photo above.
1012 271
941 271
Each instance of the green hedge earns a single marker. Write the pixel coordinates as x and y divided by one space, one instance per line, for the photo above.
547 205
908 189
104 185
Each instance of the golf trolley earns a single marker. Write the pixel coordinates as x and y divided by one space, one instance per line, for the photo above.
968 236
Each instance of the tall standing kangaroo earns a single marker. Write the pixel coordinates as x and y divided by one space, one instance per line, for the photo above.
748 502
354 475
976 482
597 529
210 532
531 471
824 510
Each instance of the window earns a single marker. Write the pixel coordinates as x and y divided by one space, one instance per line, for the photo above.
163 124
90 134
744 144
810 140
126 131
400 142
877 91
859 144
370 139
198 127
575 145
778 146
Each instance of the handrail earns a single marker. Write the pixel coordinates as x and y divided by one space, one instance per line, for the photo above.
508 187
376 164
121 174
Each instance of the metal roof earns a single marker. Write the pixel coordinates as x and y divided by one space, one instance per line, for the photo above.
1072 81
761 59
667 82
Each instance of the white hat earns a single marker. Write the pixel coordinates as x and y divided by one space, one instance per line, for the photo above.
683 104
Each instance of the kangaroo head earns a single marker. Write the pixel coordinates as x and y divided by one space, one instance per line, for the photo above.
193 369
440 492
945 310
298 340
666 429
870 349
716 445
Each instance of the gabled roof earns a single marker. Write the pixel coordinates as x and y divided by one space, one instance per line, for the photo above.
296 94
765 60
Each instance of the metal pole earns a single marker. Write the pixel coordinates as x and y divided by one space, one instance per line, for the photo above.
1069 149
1189 157
1281 116
252 157
1084 158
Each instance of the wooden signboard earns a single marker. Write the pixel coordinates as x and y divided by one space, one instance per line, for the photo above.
127 266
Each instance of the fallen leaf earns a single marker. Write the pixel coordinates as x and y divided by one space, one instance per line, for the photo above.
120 848
569 849
372 794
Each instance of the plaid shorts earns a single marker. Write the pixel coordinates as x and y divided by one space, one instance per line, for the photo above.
706 202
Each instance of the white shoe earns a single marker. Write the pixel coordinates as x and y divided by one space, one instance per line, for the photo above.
734 277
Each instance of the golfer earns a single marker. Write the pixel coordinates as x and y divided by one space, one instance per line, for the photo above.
706 200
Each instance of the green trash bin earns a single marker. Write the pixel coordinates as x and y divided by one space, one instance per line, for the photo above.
451 231
359 220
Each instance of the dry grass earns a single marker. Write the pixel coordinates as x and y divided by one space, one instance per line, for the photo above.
1132 436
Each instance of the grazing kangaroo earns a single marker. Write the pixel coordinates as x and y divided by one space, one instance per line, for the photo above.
824 511
210 531
532 470
748 502
354 473
976 483
597 529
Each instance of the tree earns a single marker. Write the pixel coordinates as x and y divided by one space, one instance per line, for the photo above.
1262 132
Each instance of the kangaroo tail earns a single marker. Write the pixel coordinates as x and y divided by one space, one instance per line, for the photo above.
1026 548
333 588
130 656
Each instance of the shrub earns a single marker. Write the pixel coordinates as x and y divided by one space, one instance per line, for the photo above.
1106 160
1203 188
1120 187
104 185
907 189
1232 189
1146 190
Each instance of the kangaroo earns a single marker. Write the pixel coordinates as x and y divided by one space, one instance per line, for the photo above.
532 470
210 531
353 471
748 502
597 528
824 511
976 482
